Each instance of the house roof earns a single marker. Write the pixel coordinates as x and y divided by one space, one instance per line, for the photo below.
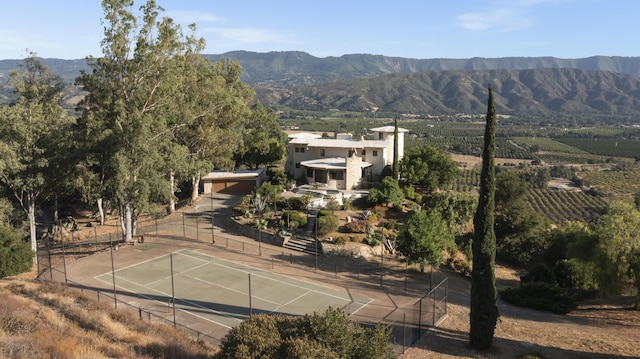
303 135
237 174
388 129
332 163
333 143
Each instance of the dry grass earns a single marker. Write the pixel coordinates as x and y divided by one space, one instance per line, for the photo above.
49 320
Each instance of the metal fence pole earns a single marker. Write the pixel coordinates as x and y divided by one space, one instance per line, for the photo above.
404 331
184 234
173 295
64 260
113 274
250 305
213 235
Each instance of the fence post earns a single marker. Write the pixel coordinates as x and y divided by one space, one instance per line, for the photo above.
420 318
404 331
433 324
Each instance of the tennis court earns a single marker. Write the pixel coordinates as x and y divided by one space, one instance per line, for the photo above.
225 292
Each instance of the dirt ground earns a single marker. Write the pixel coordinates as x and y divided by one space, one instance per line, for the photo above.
598 329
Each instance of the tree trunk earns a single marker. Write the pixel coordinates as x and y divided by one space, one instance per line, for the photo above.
31 208
172 199
128 215
195 180
100 211
134 223
55 209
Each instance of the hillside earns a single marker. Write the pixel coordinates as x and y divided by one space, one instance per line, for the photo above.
597 85
295 68
49 320
535 91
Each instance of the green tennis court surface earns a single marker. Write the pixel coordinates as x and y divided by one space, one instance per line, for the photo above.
225 292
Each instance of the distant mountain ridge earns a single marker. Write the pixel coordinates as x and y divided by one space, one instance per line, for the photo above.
293 68
532 92
362 82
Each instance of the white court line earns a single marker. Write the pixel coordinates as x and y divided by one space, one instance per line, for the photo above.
166 294
184 300
275 280
291 301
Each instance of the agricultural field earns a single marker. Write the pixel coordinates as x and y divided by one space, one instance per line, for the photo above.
616 184
613 147
561 206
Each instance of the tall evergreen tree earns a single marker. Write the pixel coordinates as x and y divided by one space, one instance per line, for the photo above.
484 308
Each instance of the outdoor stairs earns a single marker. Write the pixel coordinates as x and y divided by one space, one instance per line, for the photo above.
302 243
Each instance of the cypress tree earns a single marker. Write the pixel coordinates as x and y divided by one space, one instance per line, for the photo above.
484 308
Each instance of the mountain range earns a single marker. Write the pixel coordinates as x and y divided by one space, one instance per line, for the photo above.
599 85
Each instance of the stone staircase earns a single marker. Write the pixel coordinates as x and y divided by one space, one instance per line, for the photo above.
303 243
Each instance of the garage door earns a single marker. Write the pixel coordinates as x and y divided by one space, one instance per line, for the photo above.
233 186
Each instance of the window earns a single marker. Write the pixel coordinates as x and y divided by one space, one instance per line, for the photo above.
364 152
301 149
380 135
297 164
337 175
322 152
375 153
297 149
310 172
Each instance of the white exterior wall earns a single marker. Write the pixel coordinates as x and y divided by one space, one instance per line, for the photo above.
342 147
354 172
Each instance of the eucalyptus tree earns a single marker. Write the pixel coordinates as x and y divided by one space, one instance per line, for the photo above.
263 140
125 120
28 138
213 107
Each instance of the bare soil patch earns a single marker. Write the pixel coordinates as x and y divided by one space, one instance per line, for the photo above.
603 328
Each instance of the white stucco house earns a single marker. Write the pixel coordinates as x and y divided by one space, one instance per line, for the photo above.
344 162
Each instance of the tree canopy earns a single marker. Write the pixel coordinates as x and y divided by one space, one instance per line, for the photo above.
425 237
30 132
155 112
428 167
618 245
319 335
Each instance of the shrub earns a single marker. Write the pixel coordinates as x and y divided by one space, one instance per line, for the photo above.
293 219
333 205
359 226
15 255
340 240
327 224
371 241
392 224
298 203
541 296
540 273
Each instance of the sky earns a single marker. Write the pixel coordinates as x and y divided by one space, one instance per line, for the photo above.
419 29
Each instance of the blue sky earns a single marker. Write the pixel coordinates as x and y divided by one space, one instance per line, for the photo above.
421 29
